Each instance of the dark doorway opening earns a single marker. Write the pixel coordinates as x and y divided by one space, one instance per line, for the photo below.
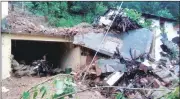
28 51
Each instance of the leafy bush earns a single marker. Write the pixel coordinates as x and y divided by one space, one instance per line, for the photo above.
100 8
133 14
136 16
62 87
67 14
88 10
164 12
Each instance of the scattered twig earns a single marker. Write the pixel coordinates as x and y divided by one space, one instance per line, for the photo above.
155 89
97 87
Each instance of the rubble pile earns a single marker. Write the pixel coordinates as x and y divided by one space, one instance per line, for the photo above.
121 23
37 68
169 47
137 77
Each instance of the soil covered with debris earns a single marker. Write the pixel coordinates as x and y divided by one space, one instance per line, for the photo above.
16 86
13 88
21 22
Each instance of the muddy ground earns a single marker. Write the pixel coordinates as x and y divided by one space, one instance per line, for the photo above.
17 86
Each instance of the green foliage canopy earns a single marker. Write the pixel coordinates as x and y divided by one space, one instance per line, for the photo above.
70 13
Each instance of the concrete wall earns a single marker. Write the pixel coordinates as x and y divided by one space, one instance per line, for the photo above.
38 38
4 9
6 48
171 33
6 54
4 42
157 42
72 59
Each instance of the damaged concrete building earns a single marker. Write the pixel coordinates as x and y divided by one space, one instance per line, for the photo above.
129 58
27 42
26 39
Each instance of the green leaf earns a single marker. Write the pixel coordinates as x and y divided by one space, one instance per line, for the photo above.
35 92
44 93
43 90
60 87
120 96
56 96
35 95
26 95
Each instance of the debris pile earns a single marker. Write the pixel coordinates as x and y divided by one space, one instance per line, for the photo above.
169 47
128 67
38 67
20 22
20 70
121 23
132 70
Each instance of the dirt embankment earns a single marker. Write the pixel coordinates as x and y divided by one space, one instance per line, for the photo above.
24 23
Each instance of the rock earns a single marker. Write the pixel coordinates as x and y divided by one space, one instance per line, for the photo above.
14 64
113 78
57 70
4 89
19 73
17 68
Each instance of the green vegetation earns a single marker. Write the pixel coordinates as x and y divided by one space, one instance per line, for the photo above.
62 87
136 16
164 9
119 96
66 13
172 95
70 13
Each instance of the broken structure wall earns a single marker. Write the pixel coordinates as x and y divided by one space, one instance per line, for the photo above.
171 33
157 42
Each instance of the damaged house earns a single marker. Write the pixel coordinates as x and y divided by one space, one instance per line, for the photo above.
130 55
27 47
26 40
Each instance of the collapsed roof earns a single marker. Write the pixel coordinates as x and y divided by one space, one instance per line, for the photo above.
141 40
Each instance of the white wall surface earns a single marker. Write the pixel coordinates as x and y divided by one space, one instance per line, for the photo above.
6 55
4 9
171 33
72 58
157 42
